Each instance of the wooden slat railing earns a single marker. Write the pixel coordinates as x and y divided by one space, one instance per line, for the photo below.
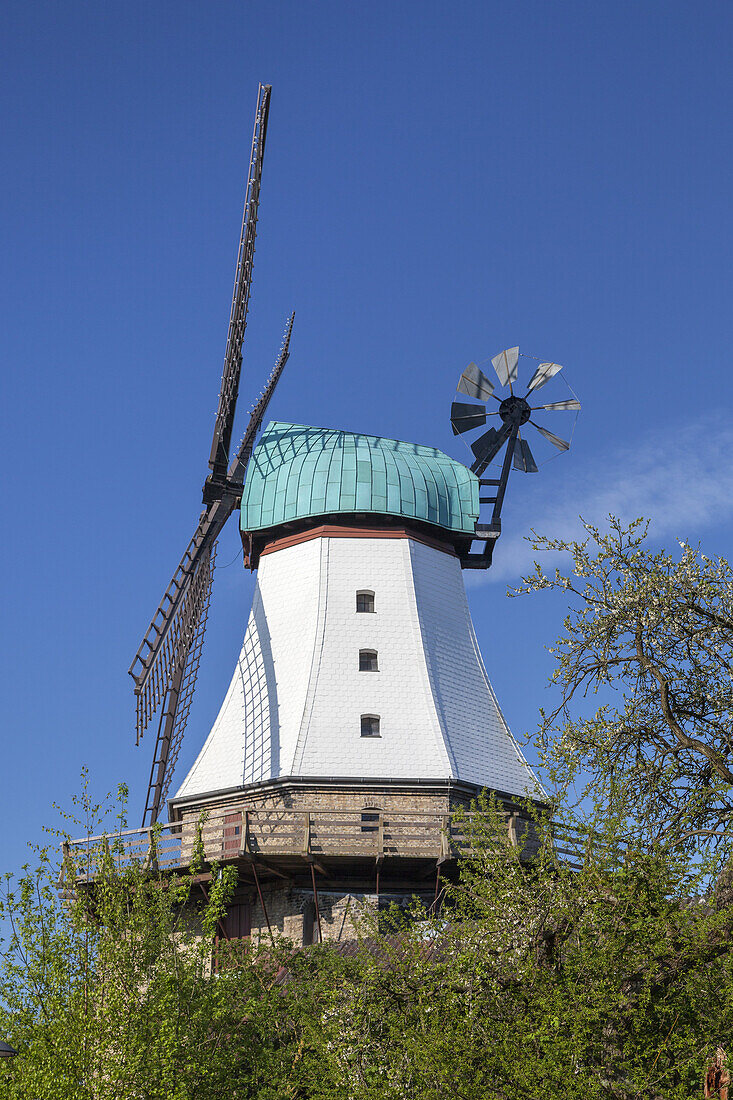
236 833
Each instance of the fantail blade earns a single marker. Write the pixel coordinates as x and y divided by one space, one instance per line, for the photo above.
474 383
464 417
505 365
523 457
561 444
569 404
543 374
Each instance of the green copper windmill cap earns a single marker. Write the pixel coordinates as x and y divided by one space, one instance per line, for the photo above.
298 471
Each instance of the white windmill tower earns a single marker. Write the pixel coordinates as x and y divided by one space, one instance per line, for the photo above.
360 712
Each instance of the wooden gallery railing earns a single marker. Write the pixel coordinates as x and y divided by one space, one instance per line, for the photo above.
286 836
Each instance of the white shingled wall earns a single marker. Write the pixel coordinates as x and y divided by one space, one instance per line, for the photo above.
479 742
294 704
255 733
330 742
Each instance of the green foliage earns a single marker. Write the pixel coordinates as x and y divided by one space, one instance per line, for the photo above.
106 987
652 635
537 980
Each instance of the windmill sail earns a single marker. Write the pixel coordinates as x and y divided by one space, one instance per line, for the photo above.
219 458
238 466
165 666
182 685
166 641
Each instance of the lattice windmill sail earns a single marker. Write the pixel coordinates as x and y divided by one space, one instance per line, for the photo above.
166 664
516 416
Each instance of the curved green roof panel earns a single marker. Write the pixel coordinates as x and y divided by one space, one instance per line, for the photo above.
297 471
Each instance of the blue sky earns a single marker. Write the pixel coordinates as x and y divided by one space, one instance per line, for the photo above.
442 180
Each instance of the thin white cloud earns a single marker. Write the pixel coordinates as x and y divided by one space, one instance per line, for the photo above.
681 480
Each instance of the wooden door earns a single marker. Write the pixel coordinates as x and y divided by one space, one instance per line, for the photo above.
232 840
238 920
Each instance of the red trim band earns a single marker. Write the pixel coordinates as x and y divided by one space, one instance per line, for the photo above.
333 531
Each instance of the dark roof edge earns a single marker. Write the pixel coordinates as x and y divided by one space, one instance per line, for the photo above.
177 805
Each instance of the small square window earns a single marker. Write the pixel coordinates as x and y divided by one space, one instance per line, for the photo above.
370 725
368 660
365 601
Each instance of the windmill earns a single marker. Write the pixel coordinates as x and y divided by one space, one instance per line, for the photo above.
515 414
166 664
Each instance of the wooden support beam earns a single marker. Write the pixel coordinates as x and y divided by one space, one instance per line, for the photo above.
245 846
315 900
512 829
434 907
445 844
307 833
262 902
318 866
251 860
